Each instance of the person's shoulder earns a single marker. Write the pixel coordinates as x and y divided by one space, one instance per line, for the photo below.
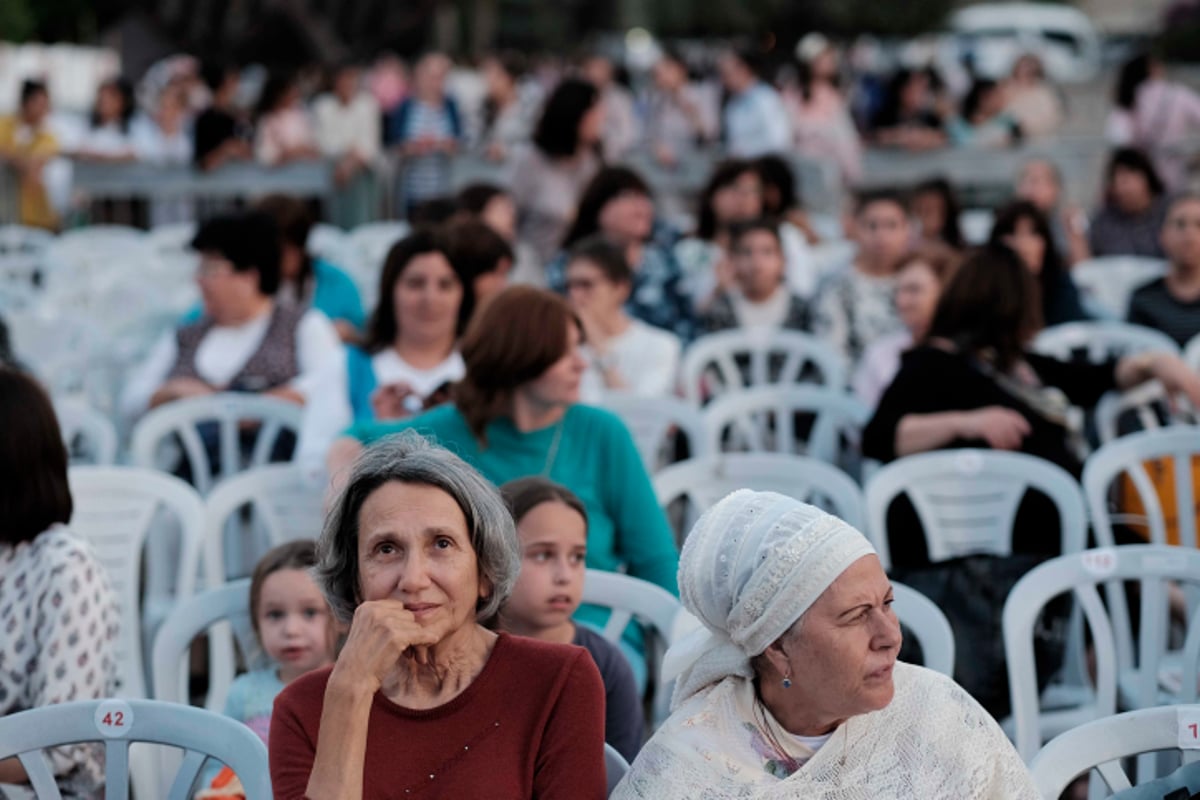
659 339
327 270
1155 288
603 652
921 691
538 660
59 548
306 691
594 419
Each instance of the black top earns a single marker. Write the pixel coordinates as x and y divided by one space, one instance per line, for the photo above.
213 128
933 380
1154 306
623 726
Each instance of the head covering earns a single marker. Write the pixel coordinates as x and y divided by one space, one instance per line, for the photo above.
751 566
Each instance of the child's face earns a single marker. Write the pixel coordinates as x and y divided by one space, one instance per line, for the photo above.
294 623
553 547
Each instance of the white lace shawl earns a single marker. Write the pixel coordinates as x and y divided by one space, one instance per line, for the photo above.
933 742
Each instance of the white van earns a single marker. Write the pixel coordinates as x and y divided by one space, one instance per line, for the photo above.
993 35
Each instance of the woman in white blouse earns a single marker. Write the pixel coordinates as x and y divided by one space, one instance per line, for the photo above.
244 341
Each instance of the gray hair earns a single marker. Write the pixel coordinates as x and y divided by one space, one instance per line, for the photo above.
410 458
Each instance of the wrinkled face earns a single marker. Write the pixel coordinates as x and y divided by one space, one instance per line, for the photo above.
1130 190
1181 234
589 290
1028 244
917 293
427 297
294 623
930 211
226 293
842 656
628 217
553 555
739 201
558 386
500 214
883 234
758 264
414 546
1039 185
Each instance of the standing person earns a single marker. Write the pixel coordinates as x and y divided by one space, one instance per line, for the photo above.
910 115
417 556
109 135
855 308
1032 101
984 120
427 130
548 178
349 133
221 133
678 118
164 140
1135 206
507 115
825 131
1025 229
755 120
1171 304
759 297
28 145
1040 182
619 132
284 130
624 353
58 610
552 530
1156 115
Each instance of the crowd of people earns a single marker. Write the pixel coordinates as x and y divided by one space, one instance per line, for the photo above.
474 472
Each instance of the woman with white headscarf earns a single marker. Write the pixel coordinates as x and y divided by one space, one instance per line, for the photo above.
792 690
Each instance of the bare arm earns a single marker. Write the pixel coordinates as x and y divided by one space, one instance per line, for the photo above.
342 743
11 771
1002 428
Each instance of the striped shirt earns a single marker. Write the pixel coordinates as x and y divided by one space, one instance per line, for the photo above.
1154 306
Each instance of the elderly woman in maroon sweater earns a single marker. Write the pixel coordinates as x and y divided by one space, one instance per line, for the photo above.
418 552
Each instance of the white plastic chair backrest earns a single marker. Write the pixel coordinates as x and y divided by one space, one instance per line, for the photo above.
22 239
723 362
117 509
86 427
1101 340
967 500
225 606
615 767
763 419
976 225
228 410
1148 403
370 244
926 622
1101 744
1106 283
285 505
1191 353
630 598
331 243
118 723
654 422
701 482
172 237
833 256
1080 574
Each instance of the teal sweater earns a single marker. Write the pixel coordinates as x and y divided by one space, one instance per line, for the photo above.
596 459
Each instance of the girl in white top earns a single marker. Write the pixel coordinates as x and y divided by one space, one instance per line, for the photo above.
109 136
410 351
624 354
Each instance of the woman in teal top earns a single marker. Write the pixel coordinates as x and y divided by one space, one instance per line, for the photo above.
516 413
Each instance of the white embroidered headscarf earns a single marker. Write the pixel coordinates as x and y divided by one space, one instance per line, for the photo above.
751 566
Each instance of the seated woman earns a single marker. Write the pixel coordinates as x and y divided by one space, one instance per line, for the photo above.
1135 206
58 611
417 555
936 209
552 529
1025 229
759 297
624 354
245 341
517 413
974 383
617 204
792 688
410 351
920 279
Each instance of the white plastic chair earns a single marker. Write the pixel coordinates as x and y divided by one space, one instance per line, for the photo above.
701 482
86 431
1101 340
118 723
229 411
967 500
285 502
1101 744
656 609
615 767
1080 574
1106 284
119 510
172 238
332 244
928 625
655 423
723 362
763 419
370 244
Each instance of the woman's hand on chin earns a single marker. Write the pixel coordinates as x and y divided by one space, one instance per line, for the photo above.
382 633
